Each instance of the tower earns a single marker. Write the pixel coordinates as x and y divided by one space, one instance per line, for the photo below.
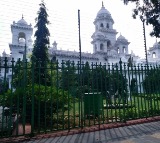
122 45
104 36
21 36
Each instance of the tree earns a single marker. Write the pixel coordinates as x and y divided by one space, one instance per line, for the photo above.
68 75
149 10
152 81
40 56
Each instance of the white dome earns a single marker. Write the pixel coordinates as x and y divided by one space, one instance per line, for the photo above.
22 22
103 11
121 38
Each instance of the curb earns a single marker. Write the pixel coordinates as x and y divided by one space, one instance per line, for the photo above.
79 131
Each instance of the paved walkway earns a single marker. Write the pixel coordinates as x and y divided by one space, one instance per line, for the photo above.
140 133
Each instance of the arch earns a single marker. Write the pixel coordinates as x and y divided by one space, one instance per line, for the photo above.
108 43
118 50
124 49
101 25
153 55
101 46
107 25
21 37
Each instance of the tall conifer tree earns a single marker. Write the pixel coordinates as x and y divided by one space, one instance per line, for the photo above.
40 56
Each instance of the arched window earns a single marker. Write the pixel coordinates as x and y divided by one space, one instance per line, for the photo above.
101 25
107 25
21 38
101 46
154 55
118 50
108 43
124 49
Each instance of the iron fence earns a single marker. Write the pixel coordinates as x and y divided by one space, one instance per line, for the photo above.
39 98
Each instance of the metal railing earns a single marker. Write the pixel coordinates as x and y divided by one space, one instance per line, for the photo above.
39 98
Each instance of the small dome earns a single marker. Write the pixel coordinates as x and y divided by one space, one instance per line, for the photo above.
103 11
22 22
121 38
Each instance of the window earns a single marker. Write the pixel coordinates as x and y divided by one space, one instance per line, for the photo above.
124 49
101 25
21 38
118 50
108 43
101 46
107 25
154 55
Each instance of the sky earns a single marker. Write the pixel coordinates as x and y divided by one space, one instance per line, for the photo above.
63 17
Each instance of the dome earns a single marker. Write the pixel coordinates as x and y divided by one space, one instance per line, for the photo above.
22 22
103 11
121 38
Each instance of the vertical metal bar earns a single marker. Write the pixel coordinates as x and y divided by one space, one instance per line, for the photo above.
45 105
137 95
140 91
145 103
63 110
24 93
11 99
39 87
79 27
157 88
125 92
57 88
4 86
32 99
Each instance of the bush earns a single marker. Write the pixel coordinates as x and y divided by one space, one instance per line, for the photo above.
40 101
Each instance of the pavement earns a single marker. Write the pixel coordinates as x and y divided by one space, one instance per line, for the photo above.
146 130
138 133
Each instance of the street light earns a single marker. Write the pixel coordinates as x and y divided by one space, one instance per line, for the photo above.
144 34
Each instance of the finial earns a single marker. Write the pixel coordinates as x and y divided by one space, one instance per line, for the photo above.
102 4
22 16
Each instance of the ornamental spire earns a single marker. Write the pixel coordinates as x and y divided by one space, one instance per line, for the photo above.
102 4
22 16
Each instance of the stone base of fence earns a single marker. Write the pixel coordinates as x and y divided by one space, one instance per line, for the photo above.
19 130
75 131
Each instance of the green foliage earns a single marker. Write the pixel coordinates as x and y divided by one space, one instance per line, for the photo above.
148 10
68 76
152 81
99 79
40 57
45 100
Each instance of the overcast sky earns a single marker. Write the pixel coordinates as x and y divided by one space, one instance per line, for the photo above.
63 16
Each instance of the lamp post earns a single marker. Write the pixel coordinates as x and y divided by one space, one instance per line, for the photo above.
144 34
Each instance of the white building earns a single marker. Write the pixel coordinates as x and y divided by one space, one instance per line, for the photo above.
106 47
21 35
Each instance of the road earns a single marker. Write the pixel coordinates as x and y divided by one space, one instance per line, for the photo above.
140 133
